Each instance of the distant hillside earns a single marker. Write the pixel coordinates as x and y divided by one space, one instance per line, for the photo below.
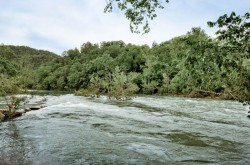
24 56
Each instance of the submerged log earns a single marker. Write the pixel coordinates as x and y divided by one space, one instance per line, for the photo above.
35 108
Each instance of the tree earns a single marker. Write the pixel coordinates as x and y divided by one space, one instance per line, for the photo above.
74 76
234 34
122 85
234 31
152 74
9 89
137 12
72 53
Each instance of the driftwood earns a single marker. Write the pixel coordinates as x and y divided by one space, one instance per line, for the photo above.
204 93
226 94
209 92
235 98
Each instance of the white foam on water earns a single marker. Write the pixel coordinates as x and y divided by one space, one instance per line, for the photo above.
149 150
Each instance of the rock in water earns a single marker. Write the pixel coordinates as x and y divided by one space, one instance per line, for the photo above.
1 116
17 114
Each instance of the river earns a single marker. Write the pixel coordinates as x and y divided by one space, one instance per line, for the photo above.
145 130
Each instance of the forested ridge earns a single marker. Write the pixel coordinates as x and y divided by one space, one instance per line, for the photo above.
193 65
19 63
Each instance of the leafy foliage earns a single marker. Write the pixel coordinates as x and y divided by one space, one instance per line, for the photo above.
137 12
234 35
8 90
235 31
8 85
122 85
13 103
193 64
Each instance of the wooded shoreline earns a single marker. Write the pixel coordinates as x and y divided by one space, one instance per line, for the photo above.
193 65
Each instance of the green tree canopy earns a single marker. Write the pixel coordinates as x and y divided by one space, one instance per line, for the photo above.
137 12
234 34
234 31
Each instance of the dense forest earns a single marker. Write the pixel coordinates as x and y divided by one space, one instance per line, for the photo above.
193 65
18 64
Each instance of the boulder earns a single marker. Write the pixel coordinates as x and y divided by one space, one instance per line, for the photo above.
2 116
17 114
21 110
27 110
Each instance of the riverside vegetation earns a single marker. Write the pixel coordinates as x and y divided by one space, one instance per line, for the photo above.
193 65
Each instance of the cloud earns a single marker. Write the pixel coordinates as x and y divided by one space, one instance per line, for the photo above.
58 25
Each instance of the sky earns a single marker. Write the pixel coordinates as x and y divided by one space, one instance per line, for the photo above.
60 25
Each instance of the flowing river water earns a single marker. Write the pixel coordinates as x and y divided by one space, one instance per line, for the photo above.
145 130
